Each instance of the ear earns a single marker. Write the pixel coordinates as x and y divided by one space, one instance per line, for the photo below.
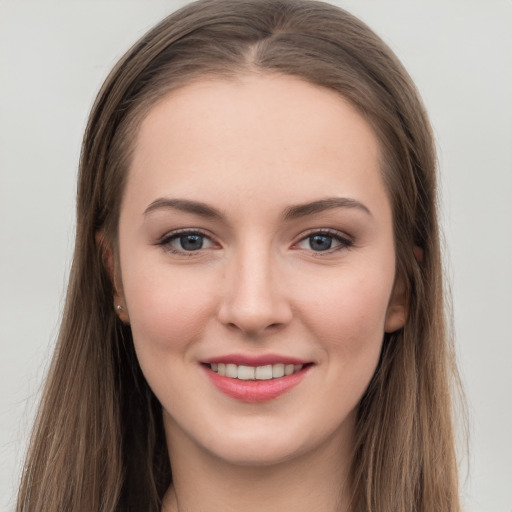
397 312
109 262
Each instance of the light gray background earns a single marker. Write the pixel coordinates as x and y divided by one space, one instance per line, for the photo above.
53 57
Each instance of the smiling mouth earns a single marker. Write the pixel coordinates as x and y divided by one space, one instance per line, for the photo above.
254 384
266 372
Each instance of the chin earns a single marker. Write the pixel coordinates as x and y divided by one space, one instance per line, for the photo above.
264 443
258 453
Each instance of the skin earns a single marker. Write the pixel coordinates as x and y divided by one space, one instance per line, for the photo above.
251 149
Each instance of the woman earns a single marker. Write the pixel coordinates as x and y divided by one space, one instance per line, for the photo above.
255 315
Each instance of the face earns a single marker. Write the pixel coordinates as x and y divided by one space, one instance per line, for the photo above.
257 265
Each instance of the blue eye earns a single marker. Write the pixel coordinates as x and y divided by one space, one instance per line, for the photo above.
185 242
320 242
191 242
324 241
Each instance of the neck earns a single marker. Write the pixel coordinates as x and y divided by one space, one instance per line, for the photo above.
316 481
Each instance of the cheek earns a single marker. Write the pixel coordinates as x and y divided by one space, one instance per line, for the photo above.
348 314
167 308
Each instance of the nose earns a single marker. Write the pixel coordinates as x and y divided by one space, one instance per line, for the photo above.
254 300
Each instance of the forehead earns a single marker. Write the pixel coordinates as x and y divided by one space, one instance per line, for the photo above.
255 134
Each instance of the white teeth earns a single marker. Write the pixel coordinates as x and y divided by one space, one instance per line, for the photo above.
231 371
246 372
278 371
266 372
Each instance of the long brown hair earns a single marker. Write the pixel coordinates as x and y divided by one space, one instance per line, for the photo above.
98 444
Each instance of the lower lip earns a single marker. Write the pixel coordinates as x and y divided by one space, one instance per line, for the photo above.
255 390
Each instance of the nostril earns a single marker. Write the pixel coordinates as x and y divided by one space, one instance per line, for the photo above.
252 312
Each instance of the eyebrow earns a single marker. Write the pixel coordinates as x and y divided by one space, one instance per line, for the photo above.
184 205
290 213
303 210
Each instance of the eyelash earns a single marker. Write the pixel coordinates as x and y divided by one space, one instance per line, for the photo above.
167 239
344 242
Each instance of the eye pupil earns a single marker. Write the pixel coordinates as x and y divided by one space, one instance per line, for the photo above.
191 242
320 242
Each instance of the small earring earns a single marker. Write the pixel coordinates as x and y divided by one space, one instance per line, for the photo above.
119 308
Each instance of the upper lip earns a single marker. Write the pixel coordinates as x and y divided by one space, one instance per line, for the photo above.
251 360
